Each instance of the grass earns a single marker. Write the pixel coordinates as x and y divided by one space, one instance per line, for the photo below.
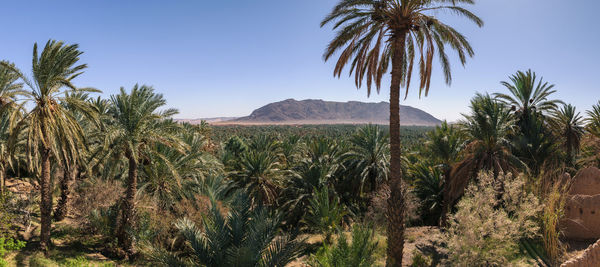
73 247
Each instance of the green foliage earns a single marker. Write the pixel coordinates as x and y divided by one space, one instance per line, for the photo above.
8 244
368 157
419 260
428 187
242 237
324 213
259 175
358 253
104 221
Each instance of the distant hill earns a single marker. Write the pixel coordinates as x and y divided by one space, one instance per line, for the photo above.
209 120
311 111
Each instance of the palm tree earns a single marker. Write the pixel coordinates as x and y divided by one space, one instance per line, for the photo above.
528 94
429 187
488 128
369 157
529 99
5 152
593 120
9 90
569 125
444 146
85 114
242 237
136 128
306 178
259 175
591 153
50 129
325 213
377 33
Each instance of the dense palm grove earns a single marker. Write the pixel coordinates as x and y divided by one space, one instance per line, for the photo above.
161 192
118 176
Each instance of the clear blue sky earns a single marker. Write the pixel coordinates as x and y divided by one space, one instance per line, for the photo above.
226 58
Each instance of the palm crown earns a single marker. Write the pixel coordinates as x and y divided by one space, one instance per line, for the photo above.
529 95
368 30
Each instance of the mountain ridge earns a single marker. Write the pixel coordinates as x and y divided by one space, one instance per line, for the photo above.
317 111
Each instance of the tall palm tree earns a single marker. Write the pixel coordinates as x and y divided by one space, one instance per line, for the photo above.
50 129
380 33
10 89
593 120
137 127
568 123
488 128
72 163
591 154
529 99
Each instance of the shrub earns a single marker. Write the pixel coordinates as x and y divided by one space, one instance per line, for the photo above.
553 212
95 194
9 244
419 260
324 213
492 217
378 207
358 253
242 237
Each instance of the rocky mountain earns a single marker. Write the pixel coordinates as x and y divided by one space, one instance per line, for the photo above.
312 111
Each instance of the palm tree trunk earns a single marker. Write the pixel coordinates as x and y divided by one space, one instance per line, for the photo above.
128 209
46 201
2 179
395 203
62 208
445 197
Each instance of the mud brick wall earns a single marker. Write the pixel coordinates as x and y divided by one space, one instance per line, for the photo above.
590 257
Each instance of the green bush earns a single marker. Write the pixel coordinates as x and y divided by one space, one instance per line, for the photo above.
419 260
359 253
9 244
324 213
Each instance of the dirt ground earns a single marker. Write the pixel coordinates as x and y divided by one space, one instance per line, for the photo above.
426 240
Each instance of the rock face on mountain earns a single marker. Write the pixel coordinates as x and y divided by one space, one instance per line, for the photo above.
327 112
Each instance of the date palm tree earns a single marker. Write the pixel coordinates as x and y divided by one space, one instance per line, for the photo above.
242 236
568 124
10 89
590 155
369 157
77 102
260 176
136 127
488 128
528 95
374 34
529 100
50 129
593 120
